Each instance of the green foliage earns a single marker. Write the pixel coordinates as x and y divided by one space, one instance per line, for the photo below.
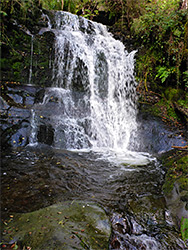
3 13
183 103
163 72
51 5
4 62
9 7
170 111
185 78
159 17
161 29
184 228
87 8
67 5
17 66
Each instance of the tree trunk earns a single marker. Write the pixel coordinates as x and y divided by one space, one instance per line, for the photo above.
62 4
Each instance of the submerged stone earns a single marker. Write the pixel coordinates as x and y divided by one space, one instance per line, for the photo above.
67 225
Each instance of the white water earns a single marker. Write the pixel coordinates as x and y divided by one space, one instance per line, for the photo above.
94 90
31 61
33 139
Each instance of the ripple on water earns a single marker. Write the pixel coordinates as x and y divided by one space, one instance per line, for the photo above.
37 177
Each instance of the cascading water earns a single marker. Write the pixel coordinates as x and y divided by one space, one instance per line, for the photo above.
31 61
33 139
93 91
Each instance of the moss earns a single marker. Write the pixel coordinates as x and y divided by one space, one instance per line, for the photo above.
4 62
167 111
17 66
184 228
171 111
21 20
173 94
177 172
74 224
16 58
182 164
183 102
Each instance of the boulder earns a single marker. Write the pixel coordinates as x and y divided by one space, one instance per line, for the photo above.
66 225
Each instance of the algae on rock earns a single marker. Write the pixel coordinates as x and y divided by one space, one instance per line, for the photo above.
68 225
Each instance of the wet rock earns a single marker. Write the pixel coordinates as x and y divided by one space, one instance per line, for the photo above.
39 96
154 136
120 224
177 203
67 225
15 104
101 75
46 134
175 186
184 198
90 28
80 80
145 229
115 244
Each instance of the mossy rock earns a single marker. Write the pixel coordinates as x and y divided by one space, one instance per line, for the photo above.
175 187
68 225
174 94
176 172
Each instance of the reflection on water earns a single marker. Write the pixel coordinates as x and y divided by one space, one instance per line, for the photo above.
37 177
80 175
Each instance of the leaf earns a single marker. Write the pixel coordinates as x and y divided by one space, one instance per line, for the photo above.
3 13
61 222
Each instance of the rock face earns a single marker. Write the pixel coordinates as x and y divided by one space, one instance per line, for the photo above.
26 69
27 57
15 103
68 225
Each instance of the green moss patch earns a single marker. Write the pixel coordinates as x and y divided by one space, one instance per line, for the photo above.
184 229
68 225
177 171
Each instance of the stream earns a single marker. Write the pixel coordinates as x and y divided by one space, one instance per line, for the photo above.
37 177
83 139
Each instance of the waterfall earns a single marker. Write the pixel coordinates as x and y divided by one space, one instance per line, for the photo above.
92 102
33 139
31 60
